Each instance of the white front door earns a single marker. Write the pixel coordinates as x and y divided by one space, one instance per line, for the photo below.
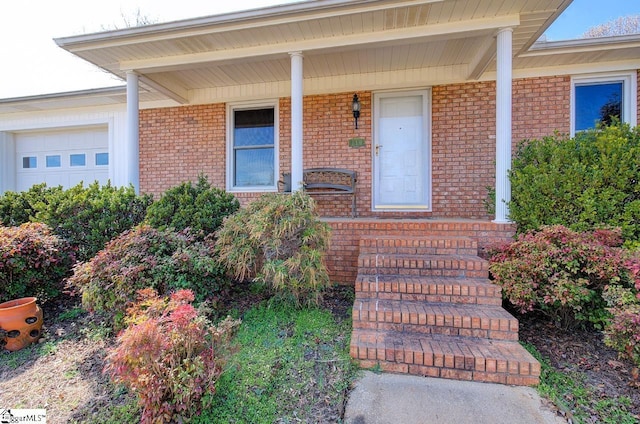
401 155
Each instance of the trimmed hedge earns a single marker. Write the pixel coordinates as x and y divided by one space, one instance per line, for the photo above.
200 208
87 217
585 182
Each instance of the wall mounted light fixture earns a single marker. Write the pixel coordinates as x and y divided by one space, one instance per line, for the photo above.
355 106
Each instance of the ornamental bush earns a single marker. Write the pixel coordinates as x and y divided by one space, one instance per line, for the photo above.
200 207
18 208
562 272
280 241
168 356
33 262
584 182
143 257
87 217
623 331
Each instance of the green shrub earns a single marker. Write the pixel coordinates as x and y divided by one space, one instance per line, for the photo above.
278 240
585 182
562 273
145 257
18 208
168 356
89 217
33 262
86 217
201 208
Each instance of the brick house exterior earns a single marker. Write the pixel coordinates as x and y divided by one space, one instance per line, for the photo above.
171 123
463 149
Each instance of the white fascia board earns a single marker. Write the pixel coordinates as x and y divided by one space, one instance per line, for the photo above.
431 32
97 92
276 15
583 45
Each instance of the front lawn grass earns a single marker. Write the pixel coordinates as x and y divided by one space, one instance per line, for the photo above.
289 365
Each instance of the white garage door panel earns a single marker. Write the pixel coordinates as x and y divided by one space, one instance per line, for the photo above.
59 146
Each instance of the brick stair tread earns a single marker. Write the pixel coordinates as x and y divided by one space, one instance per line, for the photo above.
464 358
452 256
418 244
423 265
432 285
395 260
454 314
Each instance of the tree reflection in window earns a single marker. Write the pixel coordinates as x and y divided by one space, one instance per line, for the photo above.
597 103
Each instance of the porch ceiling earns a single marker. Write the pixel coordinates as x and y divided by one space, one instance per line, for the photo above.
445 40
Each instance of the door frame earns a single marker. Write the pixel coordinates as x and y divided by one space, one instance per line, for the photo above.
426 94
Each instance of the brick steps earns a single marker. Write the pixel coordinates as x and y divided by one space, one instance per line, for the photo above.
418 245
424 305
450 265
434 355
436 318
430 289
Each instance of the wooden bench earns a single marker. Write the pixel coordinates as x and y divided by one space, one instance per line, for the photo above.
328 181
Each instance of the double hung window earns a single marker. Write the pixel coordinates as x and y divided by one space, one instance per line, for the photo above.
252 150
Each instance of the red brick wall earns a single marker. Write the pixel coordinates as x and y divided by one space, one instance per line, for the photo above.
541 106
328 127
463 136
176 144
463 148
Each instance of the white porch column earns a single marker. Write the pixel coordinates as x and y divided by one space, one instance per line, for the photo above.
296 121
503 124
132 141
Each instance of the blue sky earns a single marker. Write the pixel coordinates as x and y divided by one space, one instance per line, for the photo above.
583 14
32 63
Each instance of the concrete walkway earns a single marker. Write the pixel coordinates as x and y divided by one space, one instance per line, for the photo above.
406 399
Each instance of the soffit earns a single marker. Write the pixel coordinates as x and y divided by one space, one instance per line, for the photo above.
336 37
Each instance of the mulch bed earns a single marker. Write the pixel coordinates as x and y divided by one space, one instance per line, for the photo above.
584 352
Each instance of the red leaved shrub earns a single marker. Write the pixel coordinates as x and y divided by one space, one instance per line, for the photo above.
33 262
562 272
623 331
168 355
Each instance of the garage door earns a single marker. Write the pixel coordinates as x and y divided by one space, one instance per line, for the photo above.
62 157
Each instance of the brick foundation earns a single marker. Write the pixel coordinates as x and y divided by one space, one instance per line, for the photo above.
342 257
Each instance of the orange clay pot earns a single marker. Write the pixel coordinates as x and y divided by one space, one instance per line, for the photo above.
21 322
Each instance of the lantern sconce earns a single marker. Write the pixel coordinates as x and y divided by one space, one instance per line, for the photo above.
355 107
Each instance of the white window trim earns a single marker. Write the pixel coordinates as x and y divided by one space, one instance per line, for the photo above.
629 94
276 145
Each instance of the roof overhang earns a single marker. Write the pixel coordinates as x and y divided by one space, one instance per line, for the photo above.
97 97
347 45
